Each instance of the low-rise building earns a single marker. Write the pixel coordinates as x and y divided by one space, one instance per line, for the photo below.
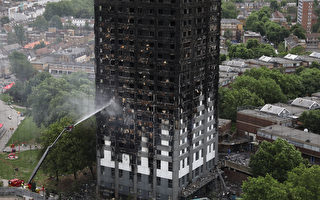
234 26
293 41
250 120
278 17
251 35
308 143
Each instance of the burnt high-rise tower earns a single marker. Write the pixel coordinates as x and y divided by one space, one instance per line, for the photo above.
159 60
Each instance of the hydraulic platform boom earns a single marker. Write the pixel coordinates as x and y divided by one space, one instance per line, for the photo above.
45 154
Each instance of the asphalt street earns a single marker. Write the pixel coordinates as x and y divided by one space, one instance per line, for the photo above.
10 119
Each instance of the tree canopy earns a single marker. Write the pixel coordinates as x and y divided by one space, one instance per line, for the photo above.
311 120
303 183
230 100
21 67
252 49
310 78
40 23
76 8
269 86
73 152
55 21
259 21
20 34
263 188
229 10
276 159
55 98
298 31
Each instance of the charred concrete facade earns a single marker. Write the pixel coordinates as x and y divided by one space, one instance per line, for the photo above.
158 59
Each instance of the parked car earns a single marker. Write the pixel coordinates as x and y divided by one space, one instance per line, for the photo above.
9 117
15 182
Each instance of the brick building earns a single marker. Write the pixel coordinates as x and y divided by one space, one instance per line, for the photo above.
308 143
305 15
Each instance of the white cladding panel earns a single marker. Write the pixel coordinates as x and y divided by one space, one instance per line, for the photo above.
106 161
125 164
143 168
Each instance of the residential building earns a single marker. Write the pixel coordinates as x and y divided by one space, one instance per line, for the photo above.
251 35
312 40
293 41
308 143
278 17
158 60
232 26
250 120
305 9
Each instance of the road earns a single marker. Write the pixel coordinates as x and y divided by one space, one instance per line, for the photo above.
5 112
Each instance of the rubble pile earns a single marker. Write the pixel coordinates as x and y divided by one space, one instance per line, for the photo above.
241 159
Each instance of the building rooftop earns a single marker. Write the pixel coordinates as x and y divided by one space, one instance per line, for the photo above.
317 94
292 134
230 21
265 59
274 110
251 34
294 111
305 103
235 63
263 115
222 122
291 57
315 55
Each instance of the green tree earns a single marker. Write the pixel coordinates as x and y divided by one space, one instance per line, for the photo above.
276 159
4 20
21 66
18 92
274 5
315 64
55 21
266 88
290 84
276 33
20 34
311 80
304 183
298 50
228 34
73 152
231 99
263 188
298 31
54 99
40 23
311 120
222 58
283 3
229 10
12 38
39 46
6 98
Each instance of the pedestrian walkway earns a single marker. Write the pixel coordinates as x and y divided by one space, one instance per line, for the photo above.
5 182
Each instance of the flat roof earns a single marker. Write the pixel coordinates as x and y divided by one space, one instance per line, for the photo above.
317 94
293 134
262 115
222 122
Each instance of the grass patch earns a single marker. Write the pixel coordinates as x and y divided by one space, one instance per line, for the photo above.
6 98
27 132
21 110
25 164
